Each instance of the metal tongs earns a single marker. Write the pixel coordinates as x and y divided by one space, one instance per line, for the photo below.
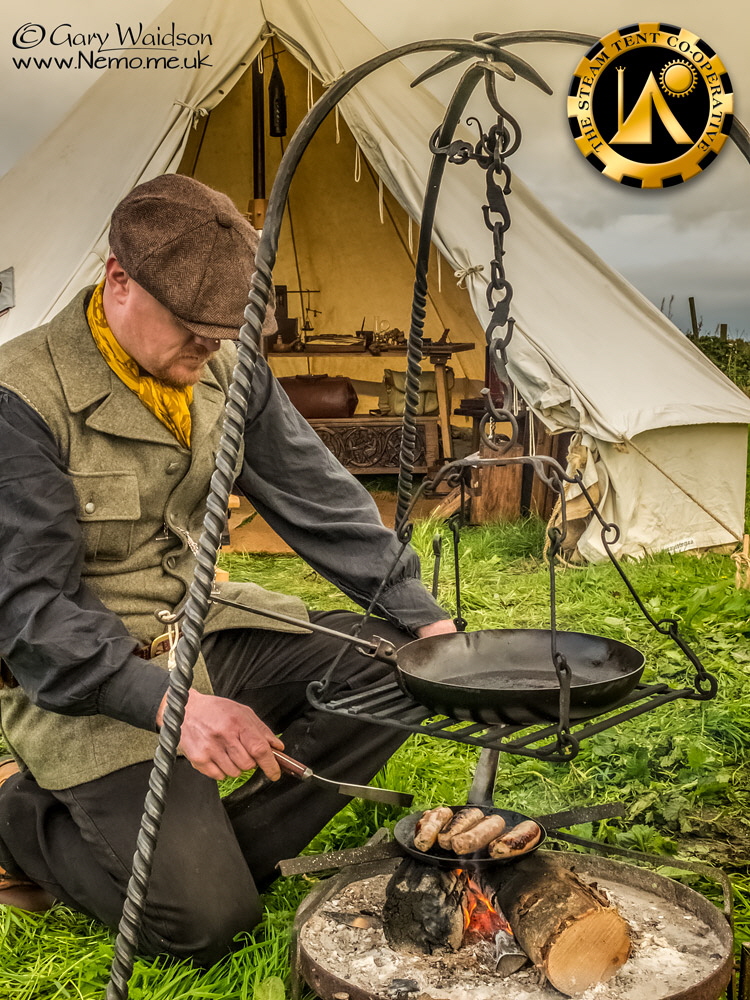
378 649
305 773
381 650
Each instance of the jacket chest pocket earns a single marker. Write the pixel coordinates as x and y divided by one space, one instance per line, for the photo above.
109 504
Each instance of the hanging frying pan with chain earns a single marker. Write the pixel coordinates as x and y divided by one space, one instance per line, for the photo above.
499 675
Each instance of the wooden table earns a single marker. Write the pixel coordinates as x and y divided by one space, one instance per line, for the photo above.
439 355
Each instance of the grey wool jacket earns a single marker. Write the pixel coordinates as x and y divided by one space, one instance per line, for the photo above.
117 549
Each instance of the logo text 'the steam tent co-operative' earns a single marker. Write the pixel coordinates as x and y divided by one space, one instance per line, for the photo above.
650 105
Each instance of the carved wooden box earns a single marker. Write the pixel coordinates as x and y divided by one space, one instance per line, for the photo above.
367 445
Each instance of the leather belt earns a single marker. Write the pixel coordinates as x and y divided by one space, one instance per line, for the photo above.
161 644
6 677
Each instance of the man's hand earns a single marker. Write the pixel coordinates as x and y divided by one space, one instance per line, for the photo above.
442 627
222 738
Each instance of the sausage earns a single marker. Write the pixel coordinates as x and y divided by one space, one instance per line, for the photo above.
478 836
516 841
463 820
429 825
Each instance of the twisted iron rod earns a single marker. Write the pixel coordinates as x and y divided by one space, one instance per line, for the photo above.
199 593
188 646
419 299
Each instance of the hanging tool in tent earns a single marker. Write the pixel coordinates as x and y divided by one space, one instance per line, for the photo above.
277 129
276 101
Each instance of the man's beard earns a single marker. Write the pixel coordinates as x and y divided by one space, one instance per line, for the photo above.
166 378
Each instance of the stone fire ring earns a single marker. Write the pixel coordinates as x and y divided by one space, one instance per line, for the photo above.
327 985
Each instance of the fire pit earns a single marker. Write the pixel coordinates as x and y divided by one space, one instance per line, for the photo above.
681 944
395 925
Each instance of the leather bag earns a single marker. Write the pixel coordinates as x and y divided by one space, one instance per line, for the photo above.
320 397
392 397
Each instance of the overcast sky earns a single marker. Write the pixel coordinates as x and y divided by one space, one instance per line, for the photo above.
687 240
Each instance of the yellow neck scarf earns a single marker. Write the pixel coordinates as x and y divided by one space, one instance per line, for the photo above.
171 406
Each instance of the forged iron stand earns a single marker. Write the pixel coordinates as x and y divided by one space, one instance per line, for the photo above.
386 703
490 57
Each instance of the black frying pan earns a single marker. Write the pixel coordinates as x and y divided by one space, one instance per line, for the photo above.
507 676
499 676
479 861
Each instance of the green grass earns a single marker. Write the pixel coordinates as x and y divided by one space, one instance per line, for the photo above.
682 771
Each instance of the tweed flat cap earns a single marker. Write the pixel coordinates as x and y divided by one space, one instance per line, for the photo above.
190 248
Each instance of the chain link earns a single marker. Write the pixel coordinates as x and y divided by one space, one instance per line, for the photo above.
559 660
705 684
491 151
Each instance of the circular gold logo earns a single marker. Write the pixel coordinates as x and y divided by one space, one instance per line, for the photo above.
650 105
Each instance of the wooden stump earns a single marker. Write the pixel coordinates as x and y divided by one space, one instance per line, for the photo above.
568 929
497 494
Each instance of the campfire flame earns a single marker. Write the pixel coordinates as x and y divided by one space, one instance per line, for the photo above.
482 920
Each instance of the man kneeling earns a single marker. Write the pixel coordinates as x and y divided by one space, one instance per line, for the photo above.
110 417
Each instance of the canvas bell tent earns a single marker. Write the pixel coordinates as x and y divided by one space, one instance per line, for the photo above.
347 247
662 433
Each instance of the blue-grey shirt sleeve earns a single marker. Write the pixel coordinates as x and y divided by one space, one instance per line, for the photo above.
69 653
323 513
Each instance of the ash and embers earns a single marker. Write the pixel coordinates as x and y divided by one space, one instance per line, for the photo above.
672 950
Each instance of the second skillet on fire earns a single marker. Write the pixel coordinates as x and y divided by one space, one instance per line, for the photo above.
404 835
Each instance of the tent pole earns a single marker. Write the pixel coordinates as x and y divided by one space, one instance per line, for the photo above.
258 208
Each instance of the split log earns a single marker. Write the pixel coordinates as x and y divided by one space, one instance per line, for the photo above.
447 506
568 929
422 909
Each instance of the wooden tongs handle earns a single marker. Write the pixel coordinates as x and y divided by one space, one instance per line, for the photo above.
292 766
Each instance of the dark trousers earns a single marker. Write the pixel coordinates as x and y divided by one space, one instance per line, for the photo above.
212 856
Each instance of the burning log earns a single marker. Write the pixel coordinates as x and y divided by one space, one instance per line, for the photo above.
422 909
568 929
428 908
533 908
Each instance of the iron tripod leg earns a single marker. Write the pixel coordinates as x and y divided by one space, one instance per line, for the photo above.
483 786
743 991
